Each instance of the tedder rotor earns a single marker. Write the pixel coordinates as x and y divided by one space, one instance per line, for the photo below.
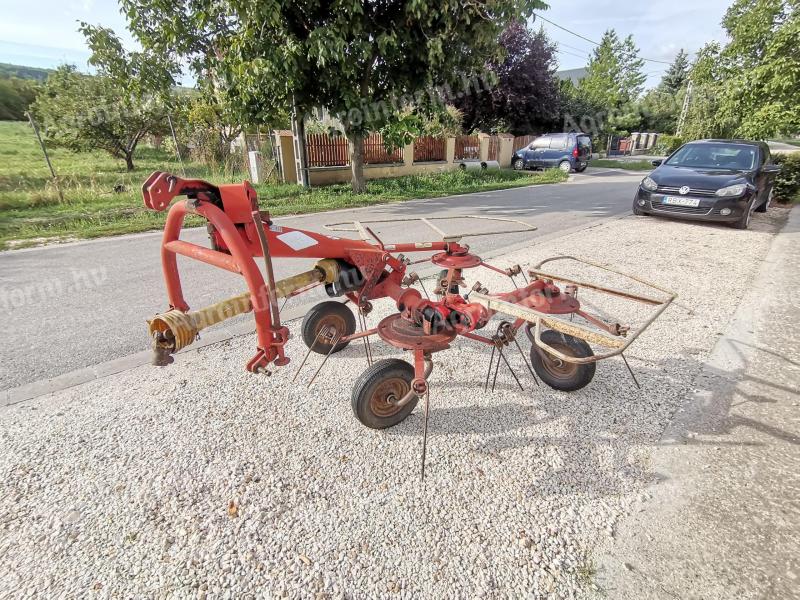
364 270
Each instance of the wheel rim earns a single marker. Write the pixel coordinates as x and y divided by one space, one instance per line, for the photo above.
557 368
565 167
382 401
333 321
518 165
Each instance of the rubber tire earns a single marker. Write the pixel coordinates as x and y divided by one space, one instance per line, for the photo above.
519 165
311 324
744 220
561 166
571 346
638 211
763 208
582 169
365 386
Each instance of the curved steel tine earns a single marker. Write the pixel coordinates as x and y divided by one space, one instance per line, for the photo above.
513 374
308 353
489 372
425 432
525 360
327 356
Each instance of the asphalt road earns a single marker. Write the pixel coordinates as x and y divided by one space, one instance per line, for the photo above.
75 305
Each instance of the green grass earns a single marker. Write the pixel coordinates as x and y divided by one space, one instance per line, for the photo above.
31 212
632 165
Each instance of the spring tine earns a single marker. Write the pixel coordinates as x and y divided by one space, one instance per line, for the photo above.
513 374
497 368
362 325
285 301
511 277
631 371
369 344
305 358
525 360
327 356
425 432
524 278
422 285
489 372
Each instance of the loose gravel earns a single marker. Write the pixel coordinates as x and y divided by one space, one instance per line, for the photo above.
202 481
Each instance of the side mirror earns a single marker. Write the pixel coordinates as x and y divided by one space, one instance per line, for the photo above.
656 163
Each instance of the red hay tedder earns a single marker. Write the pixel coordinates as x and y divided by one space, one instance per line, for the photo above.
365 270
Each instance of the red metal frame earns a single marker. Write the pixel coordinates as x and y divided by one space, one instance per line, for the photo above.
230 210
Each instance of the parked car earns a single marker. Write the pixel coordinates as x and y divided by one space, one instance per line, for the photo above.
710 180
566 151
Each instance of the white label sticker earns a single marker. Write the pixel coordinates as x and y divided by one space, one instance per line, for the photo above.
297 240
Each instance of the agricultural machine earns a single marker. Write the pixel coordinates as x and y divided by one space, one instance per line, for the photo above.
361 271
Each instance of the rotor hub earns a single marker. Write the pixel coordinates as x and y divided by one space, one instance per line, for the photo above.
402 333
449 260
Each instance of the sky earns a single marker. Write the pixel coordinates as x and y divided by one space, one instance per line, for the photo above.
43 33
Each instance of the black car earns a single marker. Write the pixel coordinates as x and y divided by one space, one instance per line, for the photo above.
566 151
710 180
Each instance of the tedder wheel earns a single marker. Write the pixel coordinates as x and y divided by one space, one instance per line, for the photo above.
557 373
374 390
324 314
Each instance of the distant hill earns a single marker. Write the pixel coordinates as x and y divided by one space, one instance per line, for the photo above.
7 71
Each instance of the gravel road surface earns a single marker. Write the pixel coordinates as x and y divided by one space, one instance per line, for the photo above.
201 480
75 305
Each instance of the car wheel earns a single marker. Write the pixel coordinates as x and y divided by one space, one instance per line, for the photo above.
519 164
763 208
581 168
638 211
565 166
744 220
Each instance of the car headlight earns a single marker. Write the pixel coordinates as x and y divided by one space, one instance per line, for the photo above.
732 190
649 184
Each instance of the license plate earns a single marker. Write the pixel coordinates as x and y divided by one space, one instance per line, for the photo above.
678 201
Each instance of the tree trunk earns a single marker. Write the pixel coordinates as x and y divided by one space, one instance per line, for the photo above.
356 148
129 161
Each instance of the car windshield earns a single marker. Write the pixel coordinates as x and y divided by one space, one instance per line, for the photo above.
715 156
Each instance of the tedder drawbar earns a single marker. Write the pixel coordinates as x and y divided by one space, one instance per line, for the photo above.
366 269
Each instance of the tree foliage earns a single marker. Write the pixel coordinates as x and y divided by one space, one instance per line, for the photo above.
614 74
112 110
16 95
360 61
749 88
525 97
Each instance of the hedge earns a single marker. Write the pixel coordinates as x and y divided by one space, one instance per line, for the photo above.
787 183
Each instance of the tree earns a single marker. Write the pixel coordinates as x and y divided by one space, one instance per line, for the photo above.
16 95
362 61
677 76
614 74
112 110
749 88
526 96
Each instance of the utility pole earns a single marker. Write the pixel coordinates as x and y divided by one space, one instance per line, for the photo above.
46 156
685 110
299 142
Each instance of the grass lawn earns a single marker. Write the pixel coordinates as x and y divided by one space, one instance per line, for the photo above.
632 165
30 210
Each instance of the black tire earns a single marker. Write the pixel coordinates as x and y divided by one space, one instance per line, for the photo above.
763 208
519 165
565 166
327 313
744 220
638 211
581 169
371 391
558 374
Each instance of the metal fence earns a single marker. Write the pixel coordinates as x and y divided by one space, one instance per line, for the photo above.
430 149
468 147
375 151
523 140
327 151
494 147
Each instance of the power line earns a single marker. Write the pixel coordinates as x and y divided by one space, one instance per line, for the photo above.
583 56
538 16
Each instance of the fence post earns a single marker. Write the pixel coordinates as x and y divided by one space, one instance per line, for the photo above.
408 154
284 141
450 150
506 152
483 140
